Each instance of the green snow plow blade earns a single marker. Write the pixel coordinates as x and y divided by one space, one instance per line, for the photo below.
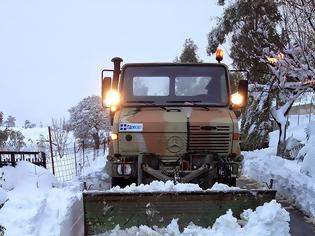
104 210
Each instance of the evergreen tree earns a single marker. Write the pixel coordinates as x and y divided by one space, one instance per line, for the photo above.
1 118
15 141
10 122
89 120
189 53
28 125
3 138
249 26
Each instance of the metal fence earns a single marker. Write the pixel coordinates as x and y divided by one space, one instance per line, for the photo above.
65 167
74 158
10 158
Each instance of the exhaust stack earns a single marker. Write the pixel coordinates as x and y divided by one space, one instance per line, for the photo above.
116 61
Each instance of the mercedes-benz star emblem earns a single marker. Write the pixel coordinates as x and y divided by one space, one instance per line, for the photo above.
175 144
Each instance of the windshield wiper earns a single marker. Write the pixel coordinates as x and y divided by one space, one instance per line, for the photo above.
138 101
148 103
193 103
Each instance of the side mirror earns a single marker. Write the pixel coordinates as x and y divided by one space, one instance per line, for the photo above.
106 87
243 91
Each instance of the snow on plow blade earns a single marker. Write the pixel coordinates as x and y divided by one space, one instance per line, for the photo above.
104 210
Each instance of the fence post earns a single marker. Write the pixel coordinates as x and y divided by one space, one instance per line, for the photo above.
83 152
51 151
13 160
75 160
44 159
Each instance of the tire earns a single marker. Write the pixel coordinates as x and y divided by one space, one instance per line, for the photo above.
154 163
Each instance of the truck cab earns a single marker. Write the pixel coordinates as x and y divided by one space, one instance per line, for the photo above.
173 121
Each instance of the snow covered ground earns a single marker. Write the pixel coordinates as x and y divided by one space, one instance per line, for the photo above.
263 165
293 179
35 203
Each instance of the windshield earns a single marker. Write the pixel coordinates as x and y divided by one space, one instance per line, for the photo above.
175 84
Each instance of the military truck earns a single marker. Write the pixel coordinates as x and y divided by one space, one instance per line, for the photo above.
171 122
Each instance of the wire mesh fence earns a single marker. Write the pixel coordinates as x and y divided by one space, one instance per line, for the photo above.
74 158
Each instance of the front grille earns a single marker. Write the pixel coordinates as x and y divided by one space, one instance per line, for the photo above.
215 139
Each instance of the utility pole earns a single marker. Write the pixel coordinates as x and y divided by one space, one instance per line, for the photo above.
51 151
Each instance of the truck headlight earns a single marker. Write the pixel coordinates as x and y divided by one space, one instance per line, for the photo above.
237 99
113 136
124 169
112 98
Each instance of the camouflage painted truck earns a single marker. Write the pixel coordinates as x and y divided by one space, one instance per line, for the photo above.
172 122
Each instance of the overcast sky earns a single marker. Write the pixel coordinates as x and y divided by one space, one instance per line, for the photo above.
52 51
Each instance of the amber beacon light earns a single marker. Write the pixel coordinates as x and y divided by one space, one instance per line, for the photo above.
219 55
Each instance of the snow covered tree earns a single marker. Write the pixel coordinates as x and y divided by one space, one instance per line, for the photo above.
3 138
246 25
60 135
28 125
189 53
89 120
42 143
293 65
15 140
1 118
10 122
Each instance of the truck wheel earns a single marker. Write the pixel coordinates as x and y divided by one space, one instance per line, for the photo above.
205 181
153 162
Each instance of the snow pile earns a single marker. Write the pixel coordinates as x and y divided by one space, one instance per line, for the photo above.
35 206
308 151
267 220
158 186
263 165
26 176
94 174
223 187
170 186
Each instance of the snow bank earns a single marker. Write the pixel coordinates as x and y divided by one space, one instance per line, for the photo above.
267 220
94 174
308 166
35 206
26 177
170 186
263 165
